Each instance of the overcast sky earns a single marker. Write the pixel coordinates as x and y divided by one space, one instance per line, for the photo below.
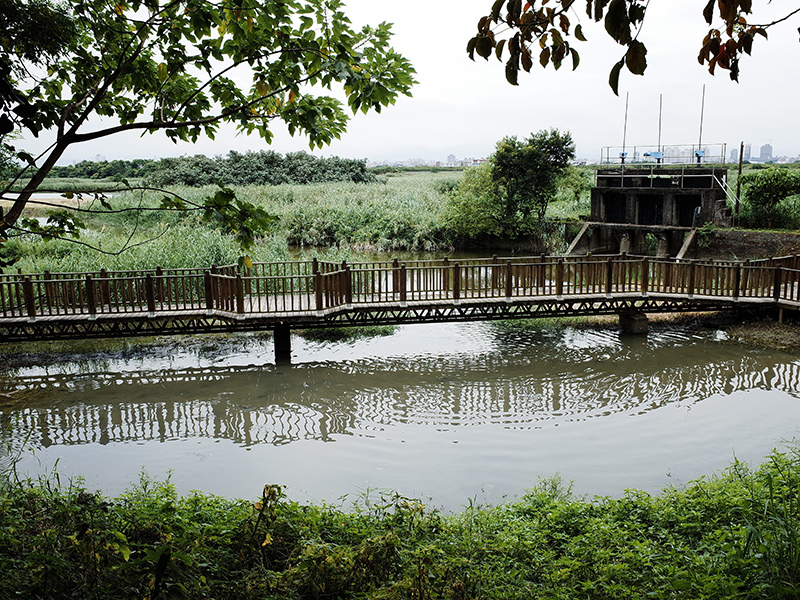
462 107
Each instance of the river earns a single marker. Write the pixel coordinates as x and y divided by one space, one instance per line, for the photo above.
449 413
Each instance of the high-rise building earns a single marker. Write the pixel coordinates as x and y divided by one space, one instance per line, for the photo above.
766 152
734 156
746 153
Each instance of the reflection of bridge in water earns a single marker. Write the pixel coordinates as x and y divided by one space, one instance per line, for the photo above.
269 407
293 295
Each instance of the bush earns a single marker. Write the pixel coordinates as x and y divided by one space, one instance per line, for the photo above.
785 215
258 168
734 535
474 207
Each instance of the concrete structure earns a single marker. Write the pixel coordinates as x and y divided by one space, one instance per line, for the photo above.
629 203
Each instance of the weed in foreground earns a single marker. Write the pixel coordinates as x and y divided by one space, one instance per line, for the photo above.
732 535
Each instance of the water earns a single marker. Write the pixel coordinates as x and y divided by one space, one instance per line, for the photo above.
447 413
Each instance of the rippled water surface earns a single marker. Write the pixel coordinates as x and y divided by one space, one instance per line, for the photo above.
446 413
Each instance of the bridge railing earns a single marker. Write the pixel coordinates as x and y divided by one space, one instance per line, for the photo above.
789 285
268 288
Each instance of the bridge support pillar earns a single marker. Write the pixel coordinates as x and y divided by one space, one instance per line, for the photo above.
633 322
283 344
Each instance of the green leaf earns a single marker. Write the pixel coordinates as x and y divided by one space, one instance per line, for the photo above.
576 59
636 57
544 56
511 72
498 51
708 11
681 584
613 78
579 33
484 47
527 62
471 47
497 7
617 23
27 158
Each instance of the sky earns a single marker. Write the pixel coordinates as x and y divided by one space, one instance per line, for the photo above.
463 108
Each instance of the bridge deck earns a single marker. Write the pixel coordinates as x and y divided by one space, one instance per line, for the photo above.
317 294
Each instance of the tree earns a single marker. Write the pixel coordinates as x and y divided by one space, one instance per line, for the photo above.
509 195
187 67
31 33
528 171
541 33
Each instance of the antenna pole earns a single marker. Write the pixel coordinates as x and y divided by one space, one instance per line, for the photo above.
660 105
625 127
702 112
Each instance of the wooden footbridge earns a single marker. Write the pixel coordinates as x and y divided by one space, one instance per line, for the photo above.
310 294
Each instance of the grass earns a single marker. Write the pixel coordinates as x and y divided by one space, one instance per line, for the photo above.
403 212
732 535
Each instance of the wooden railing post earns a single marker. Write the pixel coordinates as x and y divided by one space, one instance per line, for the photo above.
318 291
402 283
150 294
541 273
48 289
91 296
239 294
737 281
396 277
669 267
27 293
159 284
348 285
509 280
495 272
609 276
446 276
456 282
560 278
645 276
314 266
690 283
105 290
777 284
209 290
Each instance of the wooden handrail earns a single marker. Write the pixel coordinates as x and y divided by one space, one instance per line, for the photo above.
323 286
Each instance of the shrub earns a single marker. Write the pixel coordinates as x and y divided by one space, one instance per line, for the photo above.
765 198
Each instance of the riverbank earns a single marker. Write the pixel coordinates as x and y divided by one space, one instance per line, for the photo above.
732 535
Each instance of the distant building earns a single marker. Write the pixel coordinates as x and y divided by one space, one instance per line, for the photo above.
766 153
746 153
734 156
451 158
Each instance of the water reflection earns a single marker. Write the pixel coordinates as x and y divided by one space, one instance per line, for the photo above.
518 380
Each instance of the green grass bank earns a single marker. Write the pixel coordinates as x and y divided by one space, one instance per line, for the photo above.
732 535
407 211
